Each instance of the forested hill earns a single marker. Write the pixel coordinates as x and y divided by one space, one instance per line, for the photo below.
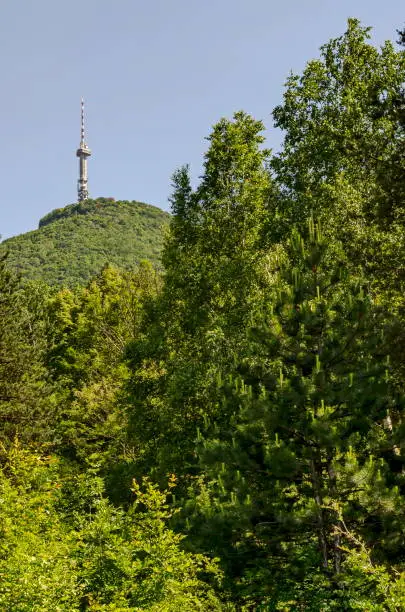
228 435
73 243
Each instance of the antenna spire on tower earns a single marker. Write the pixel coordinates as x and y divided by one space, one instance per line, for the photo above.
82 121
83 152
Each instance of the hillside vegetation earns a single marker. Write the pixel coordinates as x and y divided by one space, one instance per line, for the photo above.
228 435
73 243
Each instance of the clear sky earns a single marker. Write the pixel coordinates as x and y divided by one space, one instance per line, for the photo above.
155 74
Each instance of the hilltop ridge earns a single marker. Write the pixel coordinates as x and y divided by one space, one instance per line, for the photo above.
73 243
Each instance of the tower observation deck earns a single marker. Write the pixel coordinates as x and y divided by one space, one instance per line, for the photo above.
83 152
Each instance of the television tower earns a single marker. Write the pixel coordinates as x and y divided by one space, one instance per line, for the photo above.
83 152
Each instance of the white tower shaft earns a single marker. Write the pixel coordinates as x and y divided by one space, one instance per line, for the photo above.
83 152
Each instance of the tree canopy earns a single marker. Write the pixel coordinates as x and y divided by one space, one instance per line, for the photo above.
224 430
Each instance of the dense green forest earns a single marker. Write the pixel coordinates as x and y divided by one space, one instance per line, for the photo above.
73 243
226 432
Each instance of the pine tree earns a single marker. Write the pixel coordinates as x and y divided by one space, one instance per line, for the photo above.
303 448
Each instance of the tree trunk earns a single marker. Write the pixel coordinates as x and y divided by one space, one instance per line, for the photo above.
316 476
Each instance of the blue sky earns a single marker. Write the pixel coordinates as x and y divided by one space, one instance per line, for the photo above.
155 74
